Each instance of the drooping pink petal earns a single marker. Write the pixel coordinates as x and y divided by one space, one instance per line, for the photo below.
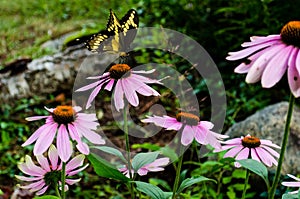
90 86
294 177
265 157
64 146
242 68
74 172
109 85
144 79
232 152
43 162
37 134
269 143
130 92
73 132
259 40
34 118
75 162
82 147
244 154
92 136
119 96
45 139
72 181
53 157
142 171
259 64
167 122
212 140
206 124
42 191
147 91
201 134
248 51
187 135
293 73
103 76
270 150
235 141
34 186
254 155
29 179
276 68
93 96
291 184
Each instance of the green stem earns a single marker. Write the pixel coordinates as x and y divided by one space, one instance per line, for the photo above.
246 183
57 191
283 147
177 178
128 151
63 180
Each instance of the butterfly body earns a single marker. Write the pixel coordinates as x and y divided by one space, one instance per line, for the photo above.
118 35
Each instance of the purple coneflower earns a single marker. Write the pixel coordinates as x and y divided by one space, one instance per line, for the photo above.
191 127
292 184
47 174
68 123
270 56
155 166
127 82
250 147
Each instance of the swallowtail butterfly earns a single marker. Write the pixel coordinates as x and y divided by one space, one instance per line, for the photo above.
118 35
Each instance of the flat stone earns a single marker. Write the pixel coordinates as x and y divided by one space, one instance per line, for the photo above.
269 124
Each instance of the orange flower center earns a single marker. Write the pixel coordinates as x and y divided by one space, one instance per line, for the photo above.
251 142
290 33
119 71
63 114
188 118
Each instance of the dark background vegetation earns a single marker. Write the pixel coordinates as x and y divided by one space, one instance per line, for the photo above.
219 26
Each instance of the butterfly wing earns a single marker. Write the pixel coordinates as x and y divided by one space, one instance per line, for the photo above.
116 37
98 42
129 24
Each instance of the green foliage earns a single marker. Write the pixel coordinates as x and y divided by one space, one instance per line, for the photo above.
142 159
153 191
47 197
290 196
191 181
105 169
257 168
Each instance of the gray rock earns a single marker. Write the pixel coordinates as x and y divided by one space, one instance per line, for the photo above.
269 123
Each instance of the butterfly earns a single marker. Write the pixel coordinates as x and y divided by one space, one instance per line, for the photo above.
118 35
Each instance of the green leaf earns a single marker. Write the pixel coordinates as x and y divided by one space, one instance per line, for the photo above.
170 153
160 182
289 196
105 169
256 167
146 145
150 190
142 159
191 181
46 197
112 151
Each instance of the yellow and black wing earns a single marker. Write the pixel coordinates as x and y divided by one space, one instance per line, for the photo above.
118 35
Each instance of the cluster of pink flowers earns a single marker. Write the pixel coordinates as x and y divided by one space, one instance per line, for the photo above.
269 58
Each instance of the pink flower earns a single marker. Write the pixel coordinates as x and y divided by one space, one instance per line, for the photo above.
47 174
269 57
250 147
68 123
127 82
191 127
155 166
292 184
